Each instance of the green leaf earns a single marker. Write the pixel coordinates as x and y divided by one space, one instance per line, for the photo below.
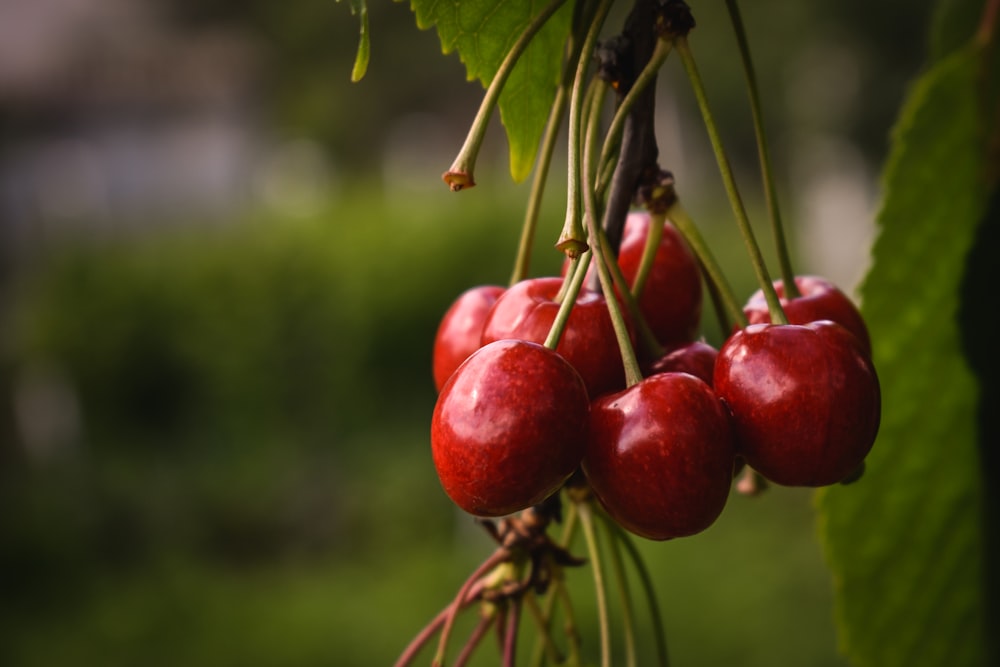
482 31
359 8
904 543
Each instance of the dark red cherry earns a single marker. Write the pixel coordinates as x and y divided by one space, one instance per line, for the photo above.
671 298
461 330
805 400
820 299
509 427
697 359
660 456
526 311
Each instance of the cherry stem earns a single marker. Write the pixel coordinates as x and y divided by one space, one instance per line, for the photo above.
523 260
628 619
651 346
572 240
767 172
485 622
428 631
569 291
510 637
647 585
633 373
646 77
742 221
600 587
682 221
459 176
570 524
541 618
499 556
570 627
653 238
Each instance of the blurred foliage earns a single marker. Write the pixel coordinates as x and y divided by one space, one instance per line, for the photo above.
251 484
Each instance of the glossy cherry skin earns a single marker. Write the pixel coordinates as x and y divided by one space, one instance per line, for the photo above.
461 330
696 358
671 298
660 456
820 299
805 400
509 427
526 311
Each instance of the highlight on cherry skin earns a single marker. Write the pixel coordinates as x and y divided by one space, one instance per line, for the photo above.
805 400
509 427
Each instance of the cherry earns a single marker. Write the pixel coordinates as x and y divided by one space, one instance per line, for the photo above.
528 308
509 427
660 456
805 400
461 329
696 358
672 295
820 299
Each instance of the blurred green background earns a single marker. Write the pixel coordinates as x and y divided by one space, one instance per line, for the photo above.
222 267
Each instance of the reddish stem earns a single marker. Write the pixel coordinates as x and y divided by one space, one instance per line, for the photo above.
498 556
428 631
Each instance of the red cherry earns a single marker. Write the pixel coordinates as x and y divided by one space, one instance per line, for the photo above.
697 359
461 330
509 427
820 299
805 400
671 297
526 311
660 456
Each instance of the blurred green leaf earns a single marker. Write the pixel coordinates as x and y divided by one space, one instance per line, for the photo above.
482 31
904 543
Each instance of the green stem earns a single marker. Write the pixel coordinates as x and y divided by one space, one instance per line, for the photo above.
767 173
573 657
628 620
682 221
572 282
600 588
633 373
655 617
646 77
572 241
648 259
743 222
647 339
534 208
459 176
547 644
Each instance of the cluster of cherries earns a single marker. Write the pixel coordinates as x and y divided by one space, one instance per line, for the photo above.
797 404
